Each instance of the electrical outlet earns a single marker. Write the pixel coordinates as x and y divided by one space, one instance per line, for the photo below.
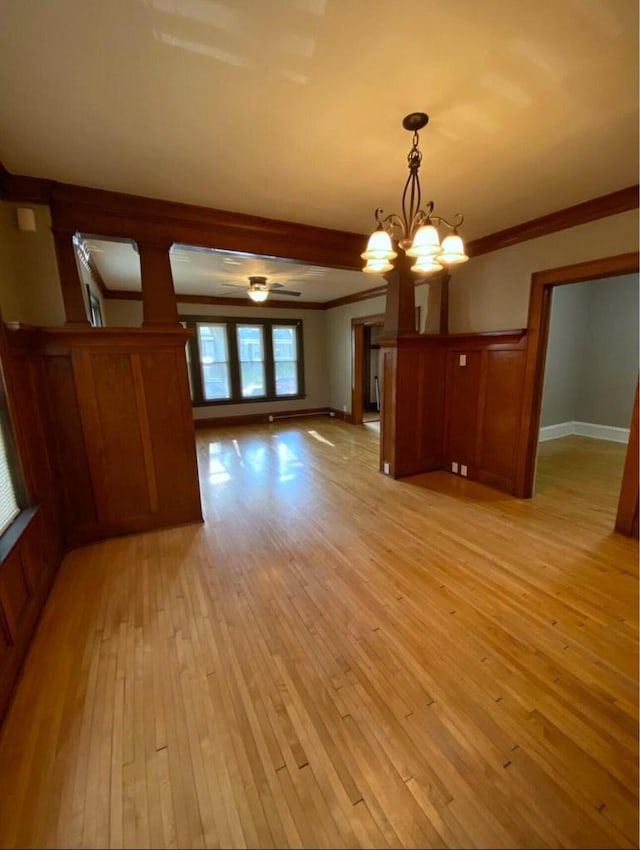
385 468
331 413
270 418
463 470
463 359
454 467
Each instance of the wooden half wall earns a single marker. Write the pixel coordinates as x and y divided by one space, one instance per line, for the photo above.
31 549
453 399
122 431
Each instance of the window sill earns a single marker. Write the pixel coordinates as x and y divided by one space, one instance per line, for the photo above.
15 531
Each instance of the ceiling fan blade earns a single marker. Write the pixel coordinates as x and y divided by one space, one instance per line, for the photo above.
284 292
276 285
237 285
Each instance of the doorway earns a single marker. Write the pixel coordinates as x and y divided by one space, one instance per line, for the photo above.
542 288
365 395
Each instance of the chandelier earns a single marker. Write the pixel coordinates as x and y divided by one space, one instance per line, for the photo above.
416 230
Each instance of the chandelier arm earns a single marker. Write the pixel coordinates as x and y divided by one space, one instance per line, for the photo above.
457 220
388 222
422 216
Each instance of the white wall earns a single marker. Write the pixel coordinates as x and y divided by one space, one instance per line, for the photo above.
338 347
491 292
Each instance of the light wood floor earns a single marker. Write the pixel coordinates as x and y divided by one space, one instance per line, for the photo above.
337 659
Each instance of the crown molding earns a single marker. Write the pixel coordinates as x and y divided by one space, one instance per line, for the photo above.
133 217
601 207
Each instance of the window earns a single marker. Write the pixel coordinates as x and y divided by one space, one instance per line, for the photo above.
9 508
285 359
214 362
251 359
235 360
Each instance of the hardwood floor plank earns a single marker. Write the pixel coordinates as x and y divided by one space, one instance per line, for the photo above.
338 659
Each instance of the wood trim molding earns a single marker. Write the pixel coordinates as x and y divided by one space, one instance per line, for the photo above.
542 283
259 418
186 222
627 515
365 295
600 207
280 303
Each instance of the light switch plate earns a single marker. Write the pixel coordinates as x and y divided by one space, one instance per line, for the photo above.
463 470
454 467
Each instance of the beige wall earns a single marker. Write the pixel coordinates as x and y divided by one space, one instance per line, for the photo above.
29 283
339 348
316 377
491 292
339 337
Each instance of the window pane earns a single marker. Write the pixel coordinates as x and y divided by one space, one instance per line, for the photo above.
285 355
284 343
286 378
251 357
214 361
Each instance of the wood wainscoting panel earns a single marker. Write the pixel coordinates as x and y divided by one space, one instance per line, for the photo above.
413 388
70 457
172 455
109 407
499 416
461 408
14 591
26 574
125 436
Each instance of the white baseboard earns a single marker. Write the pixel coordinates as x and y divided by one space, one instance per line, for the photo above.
553 432
601 432
584 429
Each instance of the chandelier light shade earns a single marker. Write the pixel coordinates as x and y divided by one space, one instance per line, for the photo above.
416 229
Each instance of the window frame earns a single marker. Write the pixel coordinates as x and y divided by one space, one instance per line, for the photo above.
10 535
231 323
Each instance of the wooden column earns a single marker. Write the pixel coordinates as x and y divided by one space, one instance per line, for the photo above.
400 311
400 453
444 302
74 305
159 304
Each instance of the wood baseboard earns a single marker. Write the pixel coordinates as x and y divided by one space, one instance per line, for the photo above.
259 418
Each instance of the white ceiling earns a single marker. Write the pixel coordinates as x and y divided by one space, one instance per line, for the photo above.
292 109
198 271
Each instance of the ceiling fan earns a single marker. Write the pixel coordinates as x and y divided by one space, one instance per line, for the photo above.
259 289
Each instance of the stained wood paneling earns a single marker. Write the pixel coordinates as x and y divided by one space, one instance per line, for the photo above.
69 450
32 547
499 417
412 387
127 417
627 516
171 437
114 435
438 411
461 416
14 591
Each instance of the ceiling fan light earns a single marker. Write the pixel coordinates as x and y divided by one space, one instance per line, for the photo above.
452 251
379 246
258 295
426 242
426 265
377 266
